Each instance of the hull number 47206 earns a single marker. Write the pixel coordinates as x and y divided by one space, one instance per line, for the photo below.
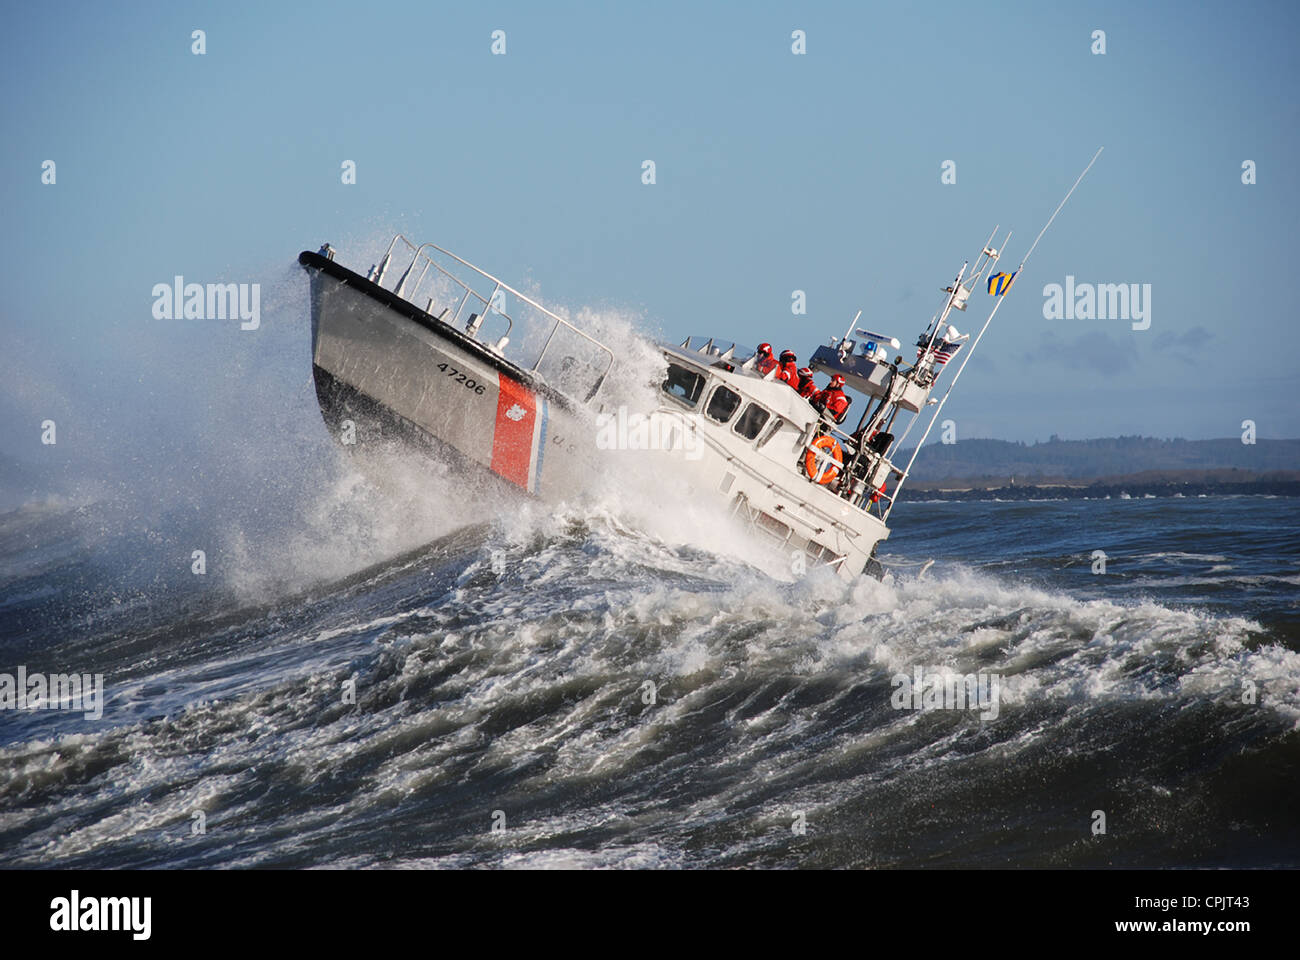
461 378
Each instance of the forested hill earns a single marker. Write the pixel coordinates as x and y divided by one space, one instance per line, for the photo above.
1086 459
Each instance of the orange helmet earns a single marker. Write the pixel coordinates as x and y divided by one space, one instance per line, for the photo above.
804 373
836 380
788 356
764 349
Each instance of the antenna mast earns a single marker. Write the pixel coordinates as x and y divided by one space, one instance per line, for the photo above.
975 343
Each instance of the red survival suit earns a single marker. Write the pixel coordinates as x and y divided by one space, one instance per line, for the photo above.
832 401
789 369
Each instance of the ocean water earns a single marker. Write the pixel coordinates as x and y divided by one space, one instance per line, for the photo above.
574 687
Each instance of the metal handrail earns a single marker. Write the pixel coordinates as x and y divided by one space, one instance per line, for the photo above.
498 286
429 261
893 470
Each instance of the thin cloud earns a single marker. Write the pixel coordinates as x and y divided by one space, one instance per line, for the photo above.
1187 346
1096 352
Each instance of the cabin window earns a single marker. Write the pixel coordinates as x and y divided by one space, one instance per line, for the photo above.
751 421
776 428
722 404
684 384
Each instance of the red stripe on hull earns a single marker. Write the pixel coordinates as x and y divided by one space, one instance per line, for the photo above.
512 443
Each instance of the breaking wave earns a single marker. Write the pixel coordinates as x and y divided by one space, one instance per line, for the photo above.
624 701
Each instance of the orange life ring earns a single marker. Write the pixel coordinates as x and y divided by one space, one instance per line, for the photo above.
832 447
875 497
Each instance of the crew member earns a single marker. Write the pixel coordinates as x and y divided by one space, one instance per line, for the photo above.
789 369
806 386
764 362
832 401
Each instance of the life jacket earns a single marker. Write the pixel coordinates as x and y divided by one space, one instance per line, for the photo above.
807 388
832 400
790 373
765 364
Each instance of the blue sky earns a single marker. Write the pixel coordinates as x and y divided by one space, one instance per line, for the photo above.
775 172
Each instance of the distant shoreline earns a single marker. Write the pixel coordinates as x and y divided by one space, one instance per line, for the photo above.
1280 484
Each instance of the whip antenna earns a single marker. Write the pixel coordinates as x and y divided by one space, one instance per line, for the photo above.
1060 205
975 343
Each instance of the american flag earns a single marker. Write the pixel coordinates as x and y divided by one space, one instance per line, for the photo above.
943 350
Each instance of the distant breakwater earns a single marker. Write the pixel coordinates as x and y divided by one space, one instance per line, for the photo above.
1115 489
